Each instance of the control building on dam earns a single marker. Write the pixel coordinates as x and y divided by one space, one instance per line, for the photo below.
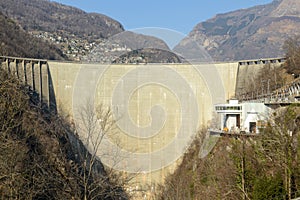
157 108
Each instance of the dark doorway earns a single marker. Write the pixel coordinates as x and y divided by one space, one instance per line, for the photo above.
238 121
252 127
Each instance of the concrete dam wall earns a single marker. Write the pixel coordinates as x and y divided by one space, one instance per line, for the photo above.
157 108
249 69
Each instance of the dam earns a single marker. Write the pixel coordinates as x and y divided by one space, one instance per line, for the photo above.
157 108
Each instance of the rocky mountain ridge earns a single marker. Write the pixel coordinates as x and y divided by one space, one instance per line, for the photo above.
252 33
49 16
80 35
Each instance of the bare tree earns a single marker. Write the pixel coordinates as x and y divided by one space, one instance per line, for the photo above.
41 158
292 53
279 147
98 180
268 79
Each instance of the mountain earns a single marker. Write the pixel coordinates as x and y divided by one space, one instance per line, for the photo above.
14 41
89 37
48 16
130 45
72 30
256 32
148 55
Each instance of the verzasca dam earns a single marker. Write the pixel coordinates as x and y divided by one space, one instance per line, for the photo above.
157 108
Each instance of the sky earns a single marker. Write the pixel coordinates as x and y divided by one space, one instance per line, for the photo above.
178 15
168 20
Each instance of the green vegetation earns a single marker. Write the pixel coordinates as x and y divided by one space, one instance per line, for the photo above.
41 158
265 167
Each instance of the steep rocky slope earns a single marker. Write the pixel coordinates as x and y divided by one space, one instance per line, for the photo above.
48 16
16 42
41 157
252 33
82 36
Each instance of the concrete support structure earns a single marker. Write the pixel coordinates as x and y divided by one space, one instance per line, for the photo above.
32 72
45 84
21 71
29 74
248 69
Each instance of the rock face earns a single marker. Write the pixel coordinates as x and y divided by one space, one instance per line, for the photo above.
47 16
257 32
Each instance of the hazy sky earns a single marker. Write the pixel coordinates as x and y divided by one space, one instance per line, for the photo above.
179 15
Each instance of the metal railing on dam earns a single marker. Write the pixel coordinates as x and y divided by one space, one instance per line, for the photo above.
262 61
287 94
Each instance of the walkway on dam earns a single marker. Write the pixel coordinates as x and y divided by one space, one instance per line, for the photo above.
285 95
